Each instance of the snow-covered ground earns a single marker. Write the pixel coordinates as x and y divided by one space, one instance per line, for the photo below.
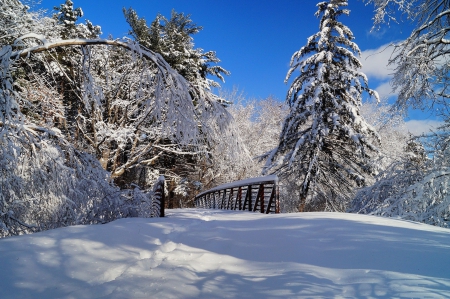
223 254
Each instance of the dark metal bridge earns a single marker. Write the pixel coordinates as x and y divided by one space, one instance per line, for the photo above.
256 194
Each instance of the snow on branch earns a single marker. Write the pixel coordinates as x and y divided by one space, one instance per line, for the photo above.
156 58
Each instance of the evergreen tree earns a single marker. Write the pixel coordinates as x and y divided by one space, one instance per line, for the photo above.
172 38
325 142
67 16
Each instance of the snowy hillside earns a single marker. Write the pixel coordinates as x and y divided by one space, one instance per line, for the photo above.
223 254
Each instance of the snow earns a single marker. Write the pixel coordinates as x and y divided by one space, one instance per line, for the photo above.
196 253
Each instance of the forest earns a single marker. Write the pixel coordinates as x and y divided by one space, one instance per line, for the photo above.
89 125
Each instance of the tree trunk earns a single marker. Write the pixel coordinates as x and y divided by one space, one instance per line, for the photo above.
303 195
301 207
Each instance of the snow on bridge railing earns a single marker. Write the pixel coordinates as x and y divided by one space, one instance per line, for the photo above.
249 195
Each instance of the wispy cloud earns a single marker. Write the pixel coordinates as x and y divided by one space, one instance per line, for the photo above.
385 90
375 66
417 127
375 62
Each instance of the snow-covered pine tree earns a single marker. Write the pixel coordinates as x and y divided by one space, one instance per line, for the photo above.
325 142
173 40
67 16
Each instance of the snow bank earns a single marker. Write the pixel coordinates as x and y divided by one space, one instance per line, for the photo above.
197 253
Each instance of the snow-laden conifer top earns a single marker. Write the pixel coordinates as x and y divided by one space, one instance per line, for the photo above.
325 141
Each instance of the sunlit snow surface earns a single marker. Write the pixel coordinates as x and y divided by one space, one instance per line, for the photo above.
221 254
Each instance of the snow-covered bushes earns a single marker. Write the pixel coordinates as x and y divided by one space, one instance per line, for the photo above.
412 188
46 183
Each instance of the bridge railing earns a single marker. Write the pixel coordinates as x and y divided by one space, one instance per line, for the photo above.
256 194
158 198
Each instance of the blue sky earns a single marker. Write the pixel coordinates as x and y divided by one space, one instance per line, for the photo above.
256 39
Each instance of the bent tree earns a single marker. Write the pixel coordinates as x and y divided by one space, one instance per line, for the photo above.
325 142
77 112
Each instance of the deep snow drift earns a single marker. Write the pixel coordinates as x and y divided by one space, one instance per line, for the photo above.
197 253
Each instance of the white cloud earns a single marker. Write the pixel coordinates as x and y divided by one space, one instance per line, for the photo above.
385 90
418 127
375 62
